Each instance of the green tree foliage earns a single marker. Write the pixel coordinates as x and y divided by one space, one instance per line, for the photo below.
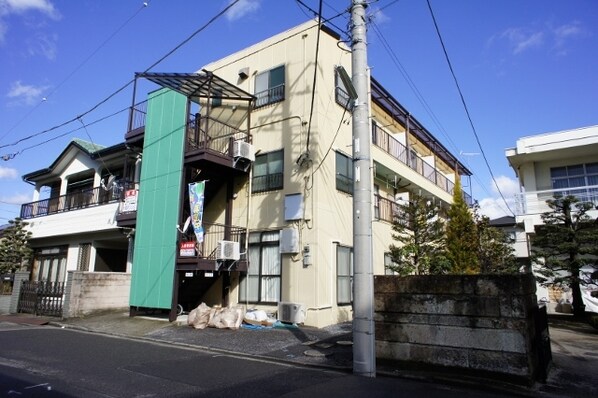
14 246
562 246
495 250
420 233
461 236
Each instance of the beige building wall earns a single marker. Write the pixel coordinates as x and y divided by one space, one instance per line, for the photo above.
327 221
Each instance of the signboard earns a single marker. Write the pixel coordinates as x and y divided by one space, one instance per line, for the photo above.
187 249
130 203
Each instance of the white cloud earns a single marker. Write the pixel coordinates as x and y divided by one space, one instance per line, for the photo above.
379 16
521 39
43 45
22 6
16 199
242 8
565 33
495 207
8 173
25 94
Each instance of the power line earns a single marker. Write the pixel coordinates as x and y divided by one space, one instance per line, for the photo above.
422 99
144 5
313 89
74 119
475 133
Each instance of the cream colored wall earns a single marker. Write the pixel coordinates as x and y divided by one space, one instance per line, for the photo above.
328 218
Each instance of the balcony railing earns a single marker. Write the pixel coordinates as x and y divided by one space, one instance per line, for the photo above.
71 201
207 133
534 202
397 150
213 233
270 96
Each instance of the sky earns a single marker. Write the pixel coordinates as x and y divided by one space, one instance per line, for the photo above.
523 67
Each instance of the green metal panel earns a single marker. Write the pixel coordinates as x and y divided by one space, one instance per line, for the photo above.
154 258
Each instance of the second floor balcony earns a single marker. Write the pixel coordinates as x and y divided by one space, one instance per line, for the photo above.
71 201
534 202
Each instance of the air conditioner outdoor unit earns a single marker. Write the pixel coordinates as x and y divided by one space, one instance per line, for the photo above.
228 250
291 312
242 149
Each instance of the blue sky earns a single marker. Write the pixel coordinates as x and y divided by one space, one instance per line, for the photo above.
524 67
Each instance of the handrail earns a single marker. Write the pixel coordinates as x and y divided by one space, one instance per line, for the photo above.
397 150
71 201
213 233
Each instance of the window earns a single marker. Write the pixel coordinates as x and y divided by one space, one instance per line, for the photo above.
217 98
268 172
261 284
576 176
269 86
51 264
344 275
388 262
344 173
84 255
341 94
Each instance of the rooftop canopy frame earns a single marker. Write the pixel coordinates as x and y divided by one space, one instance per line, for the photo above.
196 86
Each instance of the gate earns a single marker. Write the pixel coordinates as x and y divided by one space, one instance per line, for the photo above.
41 298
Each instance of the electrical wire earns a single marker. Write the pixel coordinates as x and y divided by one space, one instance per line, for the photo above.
144 5
313 88
74 119
423 101
475 133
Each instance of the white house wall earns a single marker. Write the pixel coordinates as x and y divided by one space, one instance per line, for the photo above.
96 218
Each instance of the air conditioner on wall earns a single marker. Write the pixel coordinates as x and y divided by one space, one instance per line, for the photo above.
242 149
291 312
228 250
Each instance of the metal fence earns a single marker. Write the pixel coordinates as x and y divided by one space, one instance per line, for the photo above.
41 298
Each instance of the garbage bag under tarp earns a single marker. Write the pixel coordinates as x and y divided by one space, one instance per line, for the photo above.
221 318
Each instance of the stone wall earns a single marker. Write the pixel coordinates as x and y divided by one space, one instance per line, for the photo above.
88 292
474 325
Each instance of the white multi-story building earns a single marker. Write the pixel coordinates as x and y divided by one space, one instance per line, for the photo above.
558 163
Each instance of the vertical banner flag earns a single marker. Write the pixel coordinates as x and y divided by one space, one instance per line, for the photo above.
196 197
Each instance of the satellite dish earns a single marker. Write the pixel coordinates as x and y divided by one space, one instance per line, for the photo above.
108 185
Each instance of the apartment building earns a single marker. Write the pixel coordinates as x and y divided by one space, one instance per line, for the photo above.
237 148
557 163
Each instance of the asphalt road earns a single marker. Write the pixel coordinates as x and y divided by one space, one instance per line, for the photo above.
47 361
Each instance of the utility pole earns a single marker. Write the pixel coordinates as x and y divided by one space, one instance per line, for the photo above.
364 350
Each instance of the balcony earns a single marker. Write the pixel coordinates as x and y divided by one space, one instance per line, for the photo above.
205 257
387 210
397 150
534 202
72 201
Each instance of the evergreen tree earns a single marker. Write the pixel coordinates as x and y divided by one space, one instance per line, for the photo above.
420 232
14 246
562 245
461 236
495 250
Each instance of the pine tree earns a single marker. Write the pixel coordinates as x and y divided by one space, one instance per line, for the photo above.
420 232
495 252
461 236
14 246
562 245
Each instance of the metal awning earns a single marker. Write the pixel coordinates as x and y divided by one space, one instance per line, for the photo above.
198 85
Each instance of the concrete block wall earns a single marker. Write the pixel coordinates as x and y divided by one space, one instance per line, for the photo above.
88 292
482 325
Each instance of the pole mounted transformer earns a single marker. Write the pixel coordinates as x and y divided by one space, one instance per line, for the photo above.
364 350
